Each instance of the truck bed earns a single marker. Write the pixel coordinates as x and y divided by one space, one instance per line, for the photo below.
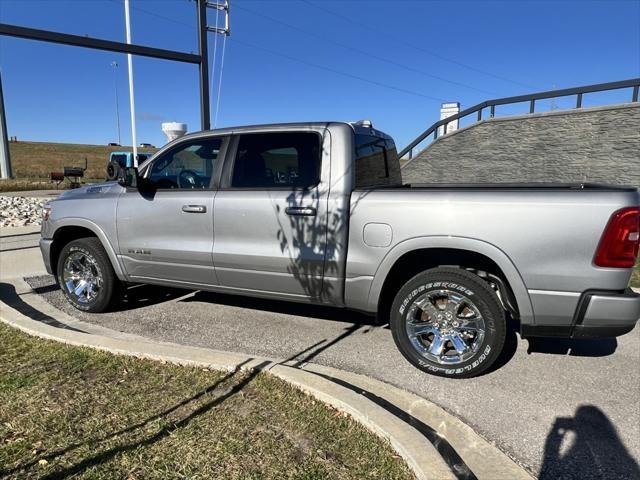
513 186
548 232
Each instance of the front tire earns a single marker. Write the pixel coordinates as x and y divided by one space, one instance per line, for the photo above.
448 322
86 276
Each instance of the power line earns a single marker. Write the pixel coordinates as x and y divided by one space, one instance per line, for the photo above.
364 52
154 14
299 60
414 46
338 72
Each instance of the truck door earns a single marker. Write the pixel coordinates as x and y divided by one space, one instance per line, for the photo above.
165 229
271 214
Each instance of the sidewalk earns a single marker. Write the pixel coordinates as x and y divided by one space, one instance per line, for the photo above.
20 253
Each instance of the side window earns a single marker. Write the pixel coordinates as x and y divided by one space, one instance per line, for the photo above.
188 165
376 162
277 160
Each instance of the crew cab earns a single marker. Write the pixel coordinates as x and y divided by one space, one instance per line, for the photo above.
318 212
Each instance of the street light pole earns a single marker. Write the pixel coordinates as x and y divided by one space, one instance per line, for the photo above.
5 159
132 102
114 64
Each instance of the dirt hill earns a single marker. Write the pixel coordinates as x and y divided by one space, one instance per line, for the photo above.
31 160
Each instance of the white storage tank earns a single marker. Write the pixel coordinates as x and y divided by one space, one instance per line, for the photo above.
174 130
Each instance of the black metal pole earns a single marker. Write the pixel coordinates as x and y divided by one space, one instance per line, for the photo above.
88 42
205 108
5 159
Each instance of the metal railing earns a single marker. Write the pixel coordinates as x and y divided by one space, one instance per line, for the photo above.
633 83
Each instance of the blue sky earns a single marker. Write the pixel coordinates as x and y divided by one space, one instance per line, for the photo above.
393 62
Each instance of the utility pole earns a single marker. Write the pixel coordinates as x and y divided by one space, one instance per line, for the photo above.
205 106
114 64
132 102
84 41
5 160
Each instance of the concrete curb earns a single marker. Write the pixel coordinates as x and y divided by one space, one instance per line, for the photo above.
435 444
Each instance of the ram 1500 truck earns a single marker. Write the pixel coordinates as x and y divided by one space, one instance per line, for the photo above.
317 212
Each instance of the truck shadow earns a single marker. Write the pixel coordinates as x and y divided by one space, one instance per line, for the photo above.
141 296
288 308
586 445
137 296
577 347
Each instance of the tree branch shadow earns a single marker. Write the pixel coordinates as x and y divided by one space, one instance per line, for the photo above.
108 454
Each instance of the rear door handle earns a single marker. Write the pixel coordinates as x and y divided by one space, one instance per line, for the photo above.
302 211
194 208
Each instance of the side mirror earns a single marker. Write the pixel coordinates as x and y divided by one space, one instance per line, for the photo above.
128 177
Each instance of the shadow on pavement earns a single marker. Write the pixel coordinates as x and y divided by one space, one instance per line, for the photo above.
317 348
578 347
10 297
137 296
289 308
586 446
140 296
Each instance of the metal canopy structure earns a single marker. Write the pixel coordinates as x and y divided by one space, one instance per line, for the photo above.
201 59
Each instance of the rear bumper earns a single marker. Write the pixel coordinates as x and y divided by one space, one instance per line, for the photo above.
597 314
45 250
607 315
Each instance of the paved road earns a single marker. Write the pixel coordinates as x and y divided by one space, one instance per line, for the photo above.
19 252
560 415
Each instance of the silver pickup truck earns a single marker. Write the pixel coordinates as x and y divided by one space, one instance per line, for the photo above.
317 212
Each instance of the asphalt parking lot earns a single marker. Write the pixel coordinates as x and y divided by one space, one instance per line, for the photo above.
561 410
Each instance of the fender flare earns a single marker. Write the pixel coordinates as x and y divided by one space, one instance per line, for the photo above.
487 249
104 240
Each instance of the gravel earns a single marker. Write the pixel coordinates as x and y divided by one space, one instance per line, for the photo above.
565 410
20 211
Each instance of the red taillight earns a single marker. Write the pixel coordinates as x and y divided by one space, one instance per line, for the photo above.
619 243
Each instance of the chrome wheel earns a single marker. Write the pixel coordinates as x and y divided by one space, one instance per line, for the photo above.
81 276
445 326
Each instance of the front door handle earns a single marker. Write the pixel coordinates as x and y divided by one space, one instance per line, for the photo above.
302 211
194 208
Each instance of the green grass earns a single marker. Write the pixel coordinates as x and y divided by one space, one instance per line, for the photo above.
635 276
75 411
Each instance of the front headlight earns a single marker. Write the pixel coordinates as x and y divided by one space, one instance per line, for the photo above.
46 212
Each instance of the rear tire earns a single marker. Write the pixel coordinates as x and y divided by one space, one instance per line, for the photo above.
448 322
86 276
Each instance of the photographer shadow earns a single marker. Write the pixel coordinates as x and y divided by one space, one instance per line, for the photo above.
586 445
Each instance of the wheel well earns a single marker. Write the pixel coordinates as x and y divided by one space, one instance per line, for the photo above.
412 263
64 235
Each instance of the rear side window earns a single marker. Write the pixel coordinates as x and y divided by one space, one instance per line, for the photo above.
277 160
376 162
